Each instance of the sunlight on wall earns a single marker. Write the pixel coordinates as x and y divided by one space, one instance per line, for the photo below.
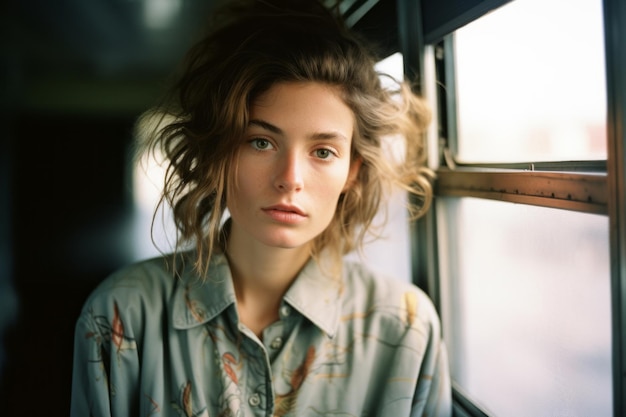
158 236
159 14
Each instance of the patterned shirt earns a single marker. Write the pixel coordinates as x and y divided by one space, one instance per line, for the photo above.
149 343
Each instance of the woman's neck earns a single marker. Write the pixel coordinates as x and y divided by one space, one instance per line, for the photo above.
260 266
261 277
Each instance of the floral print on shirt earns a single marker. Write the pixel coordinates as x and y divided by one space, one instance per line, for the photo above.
150 344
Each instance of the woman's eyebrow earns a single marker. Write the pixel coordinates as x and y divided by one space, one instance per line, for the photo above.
315 136
333 135
265 125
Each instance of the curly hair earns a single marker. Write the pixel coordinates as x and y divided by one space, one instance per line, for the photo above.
250 46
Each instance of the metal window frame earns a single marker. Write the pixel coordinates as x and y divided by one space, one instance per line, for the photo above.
615 52
591 187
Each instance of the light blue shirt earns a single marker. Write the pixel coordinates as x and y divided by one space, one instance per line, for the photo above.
148 343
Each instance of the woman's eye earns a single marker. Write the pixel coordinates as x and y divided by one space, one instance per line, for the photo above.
261 144
323 153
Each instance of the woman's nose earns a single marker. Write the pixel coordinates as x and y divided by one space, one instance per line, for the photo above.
289 174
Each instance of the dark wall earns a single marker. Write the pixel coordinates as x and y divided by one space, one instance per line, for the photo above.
74 76
69 215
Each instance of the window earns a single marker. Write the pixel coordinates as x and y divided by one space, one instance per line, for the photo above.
522 217
531 84
526 313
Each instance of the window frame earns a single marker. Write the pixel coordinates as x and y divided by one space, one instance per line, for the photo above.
588 186
421 30
615 50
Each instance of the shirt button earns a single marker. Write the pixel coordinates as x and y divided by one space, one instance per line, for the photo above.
285 310
254 400
276 343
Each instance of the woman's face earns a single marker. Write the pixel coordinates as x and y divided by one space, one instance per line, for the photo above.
293 165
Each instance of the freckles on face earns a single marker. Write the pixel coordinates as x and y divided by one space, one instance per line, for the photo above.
293 165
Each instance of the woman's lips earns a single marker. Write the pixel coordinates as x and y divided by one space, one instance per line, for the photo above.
285 213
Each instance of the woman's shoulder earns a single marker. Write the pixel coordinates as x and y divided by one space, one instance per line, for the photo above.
383 295
144 285
142 276
376 282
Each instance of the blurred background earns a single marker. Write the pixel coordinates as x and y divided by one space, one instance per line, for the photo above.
75 75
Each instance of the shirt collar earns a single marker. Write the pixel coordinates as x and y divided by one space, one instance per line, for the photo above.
314 294
197 300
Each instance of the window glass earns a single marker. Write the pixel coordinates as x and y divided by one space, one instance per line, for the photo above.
531 83
526 307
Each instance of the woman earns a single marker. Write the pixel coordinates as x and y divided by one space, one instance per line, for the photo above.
274 140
